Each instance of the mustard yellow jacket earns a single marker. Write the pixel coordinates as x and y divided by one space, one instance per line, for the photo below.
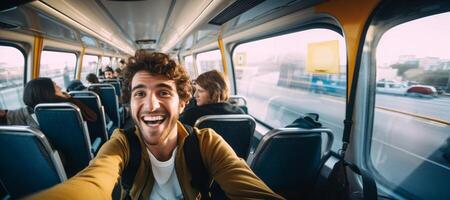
98 179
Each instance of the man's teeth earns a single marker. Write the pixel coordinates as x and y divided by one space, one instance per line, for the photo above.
153 118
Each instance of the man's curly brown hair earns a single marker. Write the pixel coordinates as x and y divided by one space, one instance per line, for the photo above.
157 64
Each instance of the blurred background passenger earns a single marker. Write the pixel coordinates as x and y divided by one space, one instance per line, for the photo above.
122 64
118 73
211 95
75 85
92 78
41 90
109 73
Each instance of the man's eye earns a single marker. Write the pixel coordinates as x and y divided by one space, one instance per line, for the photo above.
164 93
139 94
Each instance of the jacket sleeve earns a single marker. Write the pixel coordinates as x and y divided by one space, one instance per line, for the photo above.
232 173
98 179
17 117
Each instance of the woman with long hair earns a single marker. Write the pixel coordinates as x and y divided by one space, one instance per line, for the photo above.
41 90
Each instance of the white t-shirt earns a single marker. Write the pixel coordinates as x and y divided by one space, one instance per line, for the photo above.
166 184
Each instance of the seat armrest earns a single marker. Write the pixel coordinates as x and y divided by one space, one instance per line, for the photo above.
95 145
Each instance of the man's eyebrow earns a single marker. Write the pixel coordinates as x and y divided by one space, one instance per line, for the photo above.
159 85
137 87
164 85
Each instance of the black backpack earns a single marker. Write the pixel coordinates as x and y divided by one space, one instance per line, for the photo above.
192 156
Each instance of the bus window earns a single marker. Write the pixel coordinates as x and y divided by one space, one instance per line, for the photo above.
411 132
106 61
274 75
208 61
90 63
59 66
12 65
189 65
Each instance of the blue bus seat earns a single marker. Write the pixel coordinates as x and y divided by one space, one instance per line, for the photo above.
29 164
288 160
239 101
66 130
110 101
98 128
116 83
237 130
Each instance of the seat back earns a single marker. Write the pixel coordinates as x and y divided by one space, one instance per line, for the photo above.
65 129
288 160
239 101
97 129
236 130
109 100
28 162
116 83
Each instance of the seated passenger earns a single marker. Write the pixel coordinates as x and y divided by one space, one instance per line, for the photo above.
159 91
109 73
41 90
91 78
118 73
75 85
211 94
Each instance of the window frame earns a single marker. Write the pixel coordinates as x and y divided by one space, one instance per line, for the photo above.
24 54
193 65
367 65
331 27
77 57
206 51
81 64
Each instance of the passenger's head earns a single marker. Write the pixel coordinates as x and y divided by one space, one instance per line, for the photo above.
75 85
122 63
42 90
211 87
109 72
117 73
92 78
159 91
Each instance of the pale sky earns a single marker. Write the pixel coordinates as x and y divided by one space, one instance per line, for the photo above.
294 43
11 56
429 36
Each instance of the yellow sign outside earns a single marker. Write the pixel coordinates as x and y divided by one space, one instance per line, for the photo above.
323 57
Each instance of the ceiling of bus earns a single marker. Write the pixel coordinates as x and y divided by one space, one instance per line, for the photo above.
165 22
141 20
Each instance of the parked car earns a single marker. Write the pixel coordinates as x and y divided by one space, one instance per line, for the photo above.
422 91
390 87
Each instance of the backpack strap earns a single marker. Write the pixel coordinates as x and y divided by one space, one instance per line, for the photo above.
128 174
192 156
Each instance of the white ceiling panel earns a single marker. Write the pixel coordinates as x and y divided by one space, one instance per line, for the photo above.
141 20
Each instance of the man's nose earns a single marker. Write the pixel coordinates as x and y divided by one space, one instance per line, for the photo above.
152 102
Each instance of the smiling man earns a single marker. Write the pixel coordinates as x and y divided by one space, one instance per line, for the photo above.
159 92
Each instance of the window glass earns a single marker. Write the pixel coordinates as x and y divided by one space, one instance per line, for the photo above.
59 66
208 61
106 61
90 63
12 65
189 64
282 78
411 132
114 63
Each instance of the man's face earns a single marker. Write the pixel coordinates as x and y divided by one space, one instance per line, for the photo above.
109 74
155 106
